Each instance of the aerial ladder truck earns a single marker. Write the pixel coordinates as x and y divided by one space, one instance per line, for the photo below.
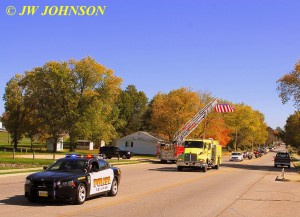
172 152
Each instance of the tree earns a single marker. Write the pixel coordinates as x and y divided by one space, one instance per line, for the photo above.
271 135
73 97
289 86
15 109
279 133
96 90
171 111
247 126
213 126
238 120
292 129
132 106
48 94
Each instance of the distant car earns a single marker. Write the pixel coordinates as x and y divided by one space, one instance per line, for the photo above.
236 156
282 159
113 151
73 178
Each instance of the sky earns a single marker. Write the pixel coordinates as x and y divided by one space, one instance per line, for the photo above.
234 49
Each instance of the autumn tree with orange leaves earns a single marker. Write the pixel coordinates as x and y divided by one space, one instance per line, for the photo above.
169 112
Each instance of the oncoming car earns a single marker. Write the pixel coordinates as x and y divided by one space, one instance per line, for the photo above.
236 156
73 178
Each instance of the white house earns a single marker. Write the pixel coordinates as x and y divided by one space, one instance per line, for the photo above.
139 143
2 127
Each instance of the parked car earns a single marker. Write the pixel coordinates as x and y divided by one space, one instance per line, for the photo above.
113 151
258 153
236 156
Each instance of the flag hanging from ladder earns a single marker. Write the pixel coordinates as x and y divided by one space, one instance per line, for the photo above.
222 108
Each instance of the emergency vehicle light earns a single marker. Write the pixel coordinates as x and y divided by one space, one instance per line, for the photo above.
73 155
82 156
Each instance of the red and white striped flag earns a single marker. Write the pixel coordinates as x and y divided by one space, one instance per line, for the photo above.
222 108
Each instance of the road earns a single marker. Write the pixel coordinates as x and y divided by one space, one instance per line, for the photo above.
236 189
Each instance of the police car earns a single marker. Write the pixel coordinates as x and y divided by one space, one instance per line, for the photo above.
73 178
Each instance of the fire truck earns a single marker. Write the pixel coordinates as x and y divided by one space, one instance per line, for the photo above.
201 154
170 151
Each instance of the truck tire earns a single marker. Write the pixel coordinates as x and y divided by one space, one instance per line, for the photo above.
179 168
204 169
218 164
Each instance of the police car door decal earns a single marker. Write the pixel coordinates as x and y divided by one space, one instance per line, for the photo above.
101 181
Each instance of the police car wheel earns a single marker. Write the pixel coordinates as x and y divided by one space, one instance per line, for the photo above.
81 194
114 188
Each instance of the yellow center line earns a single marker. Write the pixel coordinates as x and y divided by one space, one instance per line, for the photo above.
144 194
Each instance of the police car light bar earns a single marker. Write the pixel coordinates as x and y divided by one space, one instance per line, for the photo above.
84 156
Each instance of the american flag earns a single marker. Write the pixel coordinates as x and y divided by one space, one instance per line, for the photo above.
222 108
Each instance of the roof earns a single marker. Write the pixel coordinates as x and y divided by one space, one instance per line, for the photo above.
141 135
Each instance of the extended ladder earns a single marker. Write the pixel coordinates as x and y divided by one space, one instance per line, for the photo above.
181 134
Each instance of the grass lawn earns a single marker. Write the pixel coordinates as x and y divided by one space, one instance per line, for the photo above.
5 141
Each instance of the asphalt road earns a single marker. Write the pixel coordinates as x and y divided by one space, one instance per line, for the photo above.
236 189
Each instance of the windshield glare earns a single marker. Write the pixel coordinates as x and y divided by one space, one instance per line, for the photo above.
193 144
69 165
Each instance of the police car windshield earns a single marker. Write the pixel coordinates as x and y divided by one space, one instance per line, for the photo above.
68 165
193 144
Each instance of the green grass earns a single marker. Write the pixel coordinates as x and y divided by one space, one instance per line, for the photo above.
24 161
6 140
15 172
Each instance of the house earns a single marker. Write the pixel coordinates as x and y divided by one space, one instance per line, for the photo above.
139 143
1 127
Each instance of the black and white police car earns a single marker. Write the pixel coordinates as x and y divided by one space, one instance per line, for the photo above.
73 178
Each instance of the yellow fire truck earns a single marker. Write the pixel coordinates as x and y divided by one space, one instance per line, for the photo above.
200 153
